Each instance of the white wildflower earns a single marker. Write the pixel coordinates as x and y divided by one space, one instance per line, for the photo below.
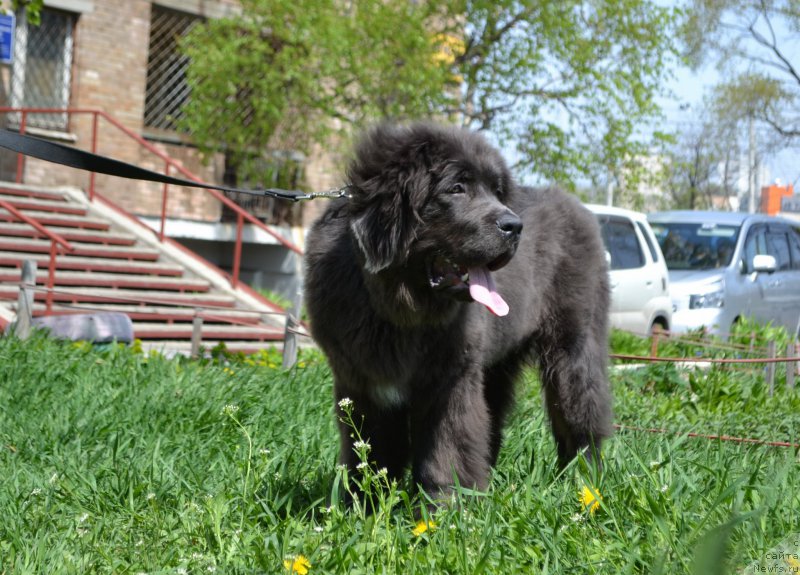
345 403
230 409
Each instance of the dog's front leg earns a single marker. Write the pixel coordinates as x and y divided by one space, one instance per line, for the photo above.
450 431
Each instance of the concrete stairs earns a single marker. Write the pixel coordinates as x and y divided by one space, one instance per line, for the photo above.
119 265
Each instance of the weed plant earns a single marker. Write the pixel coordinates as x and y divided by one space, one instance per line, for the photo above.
115 461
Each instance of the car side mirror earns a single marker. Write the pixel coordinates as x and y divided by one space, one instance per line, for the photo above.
764 263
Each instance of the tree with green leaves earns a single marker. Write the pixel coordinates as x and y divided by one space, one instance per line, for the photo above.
754 45
33 9
567 83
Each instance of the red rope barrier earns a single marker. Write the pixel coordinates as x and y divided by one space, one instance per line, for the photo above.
644 358
706 436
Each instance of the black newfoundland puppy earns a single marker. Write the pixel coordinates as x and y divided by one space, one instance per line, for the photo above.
431 286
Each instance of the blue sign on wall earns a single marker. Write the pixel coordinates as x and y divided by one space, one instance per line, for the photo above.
7 22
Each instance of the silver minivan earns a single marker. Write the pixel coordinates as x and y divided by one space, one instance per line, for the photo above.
724 266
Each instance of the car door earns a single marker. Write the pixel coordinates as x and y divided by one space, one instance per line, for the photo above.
631 289
772 298
792 294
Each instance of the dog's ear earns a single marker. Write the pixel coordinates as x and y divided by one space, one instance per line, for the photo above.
389 180
386 213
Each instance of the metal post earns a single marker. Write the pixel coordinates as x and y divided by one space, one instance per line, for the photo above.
51 277
164 204
237 250
289 335
197 333
771 367
21 157
25 299
94 151
655 335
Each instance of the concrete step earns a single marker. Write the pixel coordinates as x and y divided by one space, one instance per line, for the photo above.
113 270
129 296
25 230
166 314
38 193
32 192
62 206
97 279
65 220
80 249
68 262
152 330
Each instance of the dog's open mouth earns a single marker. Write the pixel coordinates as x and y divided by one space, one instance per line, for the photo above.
444 274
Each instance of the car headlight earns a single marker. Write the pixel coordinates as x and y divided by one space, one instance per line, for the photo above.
707 300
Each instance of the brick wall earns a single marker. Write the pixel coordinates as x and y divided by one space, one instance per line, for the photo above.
324 171
110 74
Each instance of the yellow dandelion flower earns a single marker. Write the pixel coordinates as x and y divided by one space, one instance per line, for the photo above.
422 527
590 498
298 564
793 563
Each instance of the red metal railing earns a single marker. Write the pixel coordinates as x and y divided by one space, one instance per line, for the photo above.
242 215
55 241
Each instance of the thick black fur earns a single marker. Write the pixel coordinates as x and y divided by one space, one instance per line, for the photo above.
430 372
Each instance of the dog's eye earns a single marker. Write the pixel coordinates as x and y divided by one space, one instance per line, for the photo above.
457 189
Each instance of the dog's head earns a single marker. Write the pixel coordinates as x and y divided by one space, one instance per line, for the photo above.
428 197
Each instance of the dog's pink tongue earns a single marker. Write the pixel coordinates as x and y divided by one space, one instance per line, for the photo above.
483 290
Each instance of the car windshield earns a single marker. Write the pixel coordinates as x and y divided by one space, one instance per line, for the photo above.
696 246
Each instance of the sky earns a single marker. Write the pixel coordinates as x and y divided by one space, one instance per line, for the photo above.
689 89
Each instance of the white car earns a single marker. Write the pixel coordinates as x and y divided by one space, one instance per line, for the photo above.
640 300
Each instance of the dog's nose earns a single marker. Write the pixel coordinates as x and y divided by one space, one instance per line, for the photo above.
509 225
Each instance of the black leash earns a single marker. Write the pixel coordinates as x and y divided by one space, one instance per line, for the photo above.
75 158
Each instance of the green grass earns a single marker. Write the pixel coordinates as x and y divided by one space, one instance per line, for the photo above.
112 461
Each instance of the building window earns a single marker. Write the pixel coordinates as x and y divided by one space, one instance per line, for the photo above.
167 90
41 74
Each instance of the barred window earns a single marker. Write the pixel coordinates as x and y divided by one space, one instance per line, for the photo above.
42 63
167 90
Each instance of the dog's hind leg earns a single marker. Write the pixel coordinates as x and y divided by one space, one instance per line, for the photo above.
577 396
